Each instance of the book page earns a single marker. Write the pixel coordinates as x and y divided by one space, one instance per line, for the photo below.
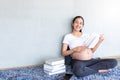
92 40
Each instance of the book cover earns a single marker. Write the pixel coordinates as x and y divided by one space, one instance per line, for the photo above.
55 61
56 72
53 66
55 69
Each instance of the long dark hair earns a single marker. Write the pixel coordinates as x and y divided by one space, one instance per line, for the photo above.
76 18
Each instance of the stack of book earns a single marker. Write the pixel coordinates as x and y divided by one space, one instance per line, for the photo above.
54 66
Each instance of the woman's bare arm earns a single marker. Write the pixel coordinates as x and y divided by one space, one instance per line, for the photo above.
66 52
98 44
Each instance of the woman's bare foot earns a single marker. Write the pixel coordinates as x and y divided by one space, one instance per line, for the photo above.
106 70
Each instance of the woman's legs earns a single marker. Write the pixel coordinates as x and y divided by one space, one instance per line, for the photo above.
84 68
80 68
103 64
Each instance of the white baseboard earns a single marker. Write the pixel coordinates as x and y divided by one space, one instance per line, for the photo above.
21 66
116 57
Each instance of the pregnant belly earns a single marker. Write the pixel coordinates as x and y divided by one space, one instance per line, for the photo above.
83 55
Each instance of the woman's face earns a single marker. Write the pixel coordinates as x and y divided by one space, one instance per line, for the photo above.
77 24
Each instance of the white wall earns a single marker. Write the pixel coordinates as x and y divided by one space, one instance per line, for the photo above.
31 31
102 16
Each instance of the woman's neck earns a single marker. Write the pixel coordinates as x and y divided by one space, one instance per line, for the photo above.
77 33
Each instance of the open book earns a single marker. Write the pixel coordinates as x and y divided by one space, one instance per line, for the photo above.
92 40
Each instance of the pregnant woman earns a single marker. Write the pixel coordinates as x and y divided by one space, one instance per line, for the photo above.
83 63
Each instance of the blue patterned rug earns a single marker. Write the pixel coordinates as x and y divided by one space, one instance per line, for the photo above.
37 73
113 75
28 73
